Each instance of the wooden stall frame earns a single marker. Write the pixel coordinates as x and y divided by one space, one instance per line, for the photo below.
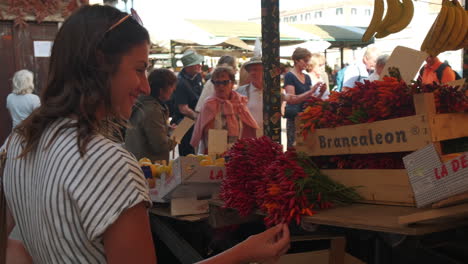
387 186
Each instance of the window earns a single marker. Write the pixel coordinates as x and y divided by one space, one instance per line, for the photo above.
339 11
318 14
307 16
286 20
292 18
302 17
353 11
367 12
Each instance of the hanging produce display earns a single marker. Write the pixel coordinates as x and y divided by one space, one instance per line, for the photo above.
398 16
284 186
449 30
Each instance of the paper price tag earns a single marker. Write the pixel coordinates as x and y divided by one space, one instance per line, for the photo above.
182 128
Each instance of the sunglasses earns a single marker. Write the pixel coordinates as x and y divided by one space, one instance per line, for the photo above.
133 14
225 82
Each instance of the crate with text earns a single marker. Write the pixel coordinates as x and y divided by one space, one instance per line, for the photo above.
191 176
398 135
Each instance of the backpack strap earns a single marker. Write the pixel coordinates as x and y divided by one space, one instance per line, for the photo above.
421 72
440 71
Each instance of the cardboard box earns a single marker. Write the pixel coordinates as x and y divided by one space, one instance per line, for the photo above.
188 179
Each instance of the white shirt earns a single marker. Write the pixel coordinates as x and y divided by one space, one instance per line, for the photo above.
208 90
63 203
317 92
255 106
355 73
21 106
374 77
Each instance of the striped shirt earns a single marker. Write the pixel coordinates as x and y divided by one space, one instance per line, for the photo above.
62 204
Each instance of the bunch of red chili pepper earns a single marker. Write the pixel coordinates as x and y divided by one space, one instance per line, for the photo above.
378 100
246 161
282 185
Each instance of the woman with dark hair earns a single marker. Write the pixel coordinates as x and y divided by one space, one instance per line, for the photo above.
148 134
75 195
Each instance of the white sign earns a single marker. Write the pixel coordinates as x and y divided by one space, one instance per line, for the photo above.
432 180
42 48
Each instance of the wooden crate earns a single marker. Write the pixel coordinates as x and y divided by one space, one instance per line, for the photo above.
394 135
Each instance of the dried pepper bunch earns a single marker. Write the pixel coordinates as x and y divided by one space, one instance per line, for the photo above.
378 100
246 161
448 99
285 186
366 102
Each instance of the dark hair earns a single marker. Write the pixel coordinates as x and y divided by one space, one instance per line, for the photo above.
160 79
85 55
224 69
300 53
228 60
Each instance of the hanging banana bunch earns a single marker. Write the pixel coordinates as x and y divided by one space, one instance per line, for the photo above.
449 30
397 17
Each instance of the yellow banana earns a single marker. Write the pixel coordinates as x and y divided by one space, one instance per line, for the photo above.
405 19
459 29
375 21
394 10
456 41
428 36
447 28
438 27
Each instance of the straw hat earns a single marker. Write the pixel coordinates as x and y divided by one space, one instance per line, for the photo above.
257 57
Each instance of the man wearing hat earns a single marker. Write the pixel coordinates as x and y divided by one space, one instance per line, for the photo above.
254 90
188 90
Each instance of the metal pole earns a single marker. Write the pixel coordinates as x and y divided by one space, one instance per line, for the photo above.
173 59
271 70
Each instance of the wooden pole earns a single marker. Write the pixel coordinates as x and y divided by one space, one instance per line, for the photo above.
271 70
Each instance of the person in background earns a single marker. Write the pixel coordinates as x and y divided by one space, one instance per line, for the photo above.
379 66
188 91
360 70
316 71
298 87
227 110
148 134
208 89
436 71
21 102
254 91
86 196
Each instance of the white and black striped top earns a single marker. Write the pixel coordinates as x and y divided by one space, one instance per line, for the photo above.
63 203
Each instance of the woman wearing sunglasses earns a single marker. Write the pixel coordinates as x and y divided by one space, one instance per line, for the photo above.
73 192
225 110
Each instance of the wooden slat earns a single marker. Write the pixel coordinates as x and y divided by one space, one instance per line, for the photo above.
454 200
435 214
372 217
378 218
394 135
377 186
449 126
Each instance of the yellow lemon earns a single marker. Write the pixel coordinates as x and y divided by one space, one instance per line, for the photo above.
219 162
144 161
206 162
154 170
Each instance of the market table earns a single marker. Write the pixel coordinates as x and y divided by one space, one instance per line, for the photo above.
378 218
174 240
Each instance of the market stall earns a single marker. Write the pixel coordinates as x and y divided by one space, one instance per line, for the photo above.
386 142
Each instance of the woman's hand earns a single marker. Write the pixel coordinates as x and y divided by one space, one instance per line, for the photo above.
268 246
